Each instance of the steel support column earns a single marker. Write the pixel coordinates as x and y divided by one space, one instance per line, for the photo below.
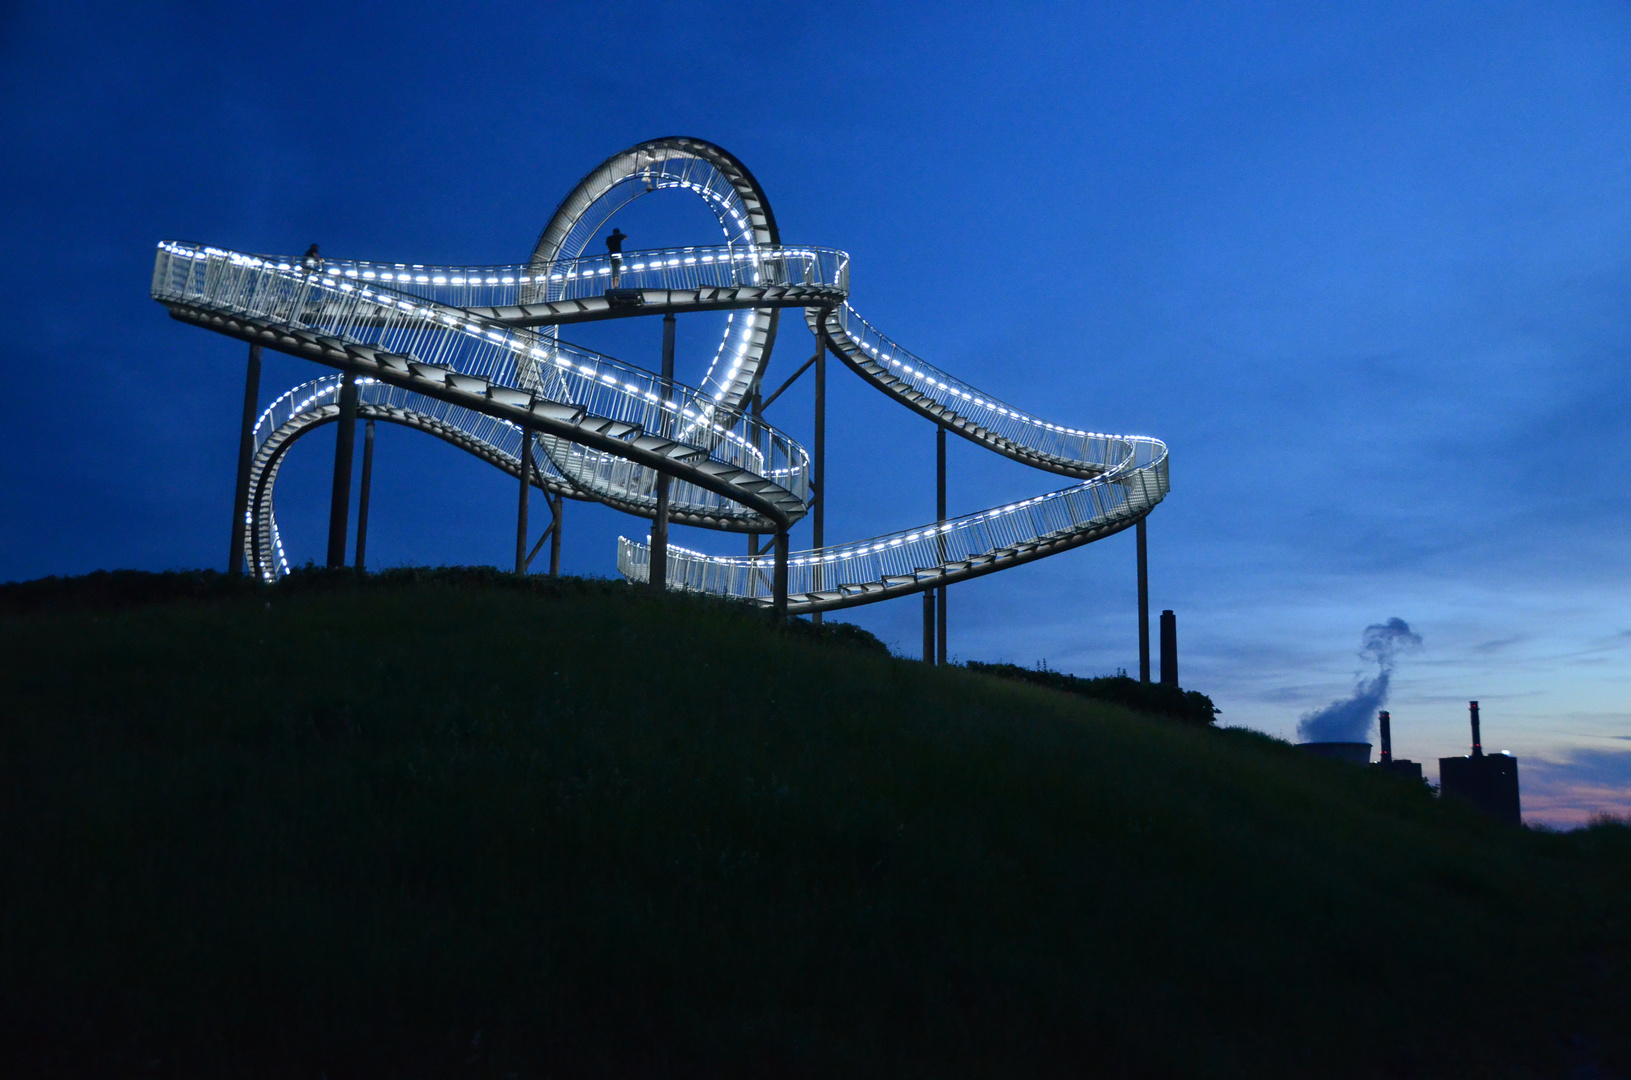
818 467
757 409
523 501
658 573
345 441
362 496
557 504
778 582
940 515
1143 604
928 626
246 458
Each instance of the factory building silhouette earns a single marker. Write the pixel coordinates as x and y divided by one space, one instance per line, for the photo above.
1487 781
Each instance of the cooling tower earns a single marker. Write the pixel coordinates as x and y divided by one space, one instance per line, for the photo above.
1355 753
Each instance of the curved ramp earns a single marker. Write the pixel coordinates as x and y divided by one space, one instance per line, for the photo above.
975 415
311 405
594 416
655 282
1126 478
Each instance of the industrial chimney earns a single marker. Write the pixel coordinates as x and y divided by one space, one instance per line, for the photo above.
1390 764
1489 783
1169 649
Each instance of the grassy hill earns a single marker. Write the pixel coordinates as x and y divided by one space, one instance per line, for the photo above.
459 825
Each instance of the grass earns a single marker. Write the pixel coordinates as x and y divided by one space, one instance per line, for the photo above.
452 825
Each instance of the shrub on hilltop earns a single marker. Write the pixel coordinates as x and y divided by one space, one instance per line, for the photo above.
1191 706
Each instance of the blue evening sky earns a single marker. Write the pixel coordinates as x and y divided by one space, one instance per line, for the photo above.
1365 267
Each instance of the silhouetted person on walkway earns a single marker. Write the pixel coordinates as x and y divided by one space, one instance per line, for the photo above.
614 247
311 260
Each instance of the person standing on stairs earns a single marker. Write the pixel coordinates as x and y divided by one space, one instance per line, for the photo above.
614 248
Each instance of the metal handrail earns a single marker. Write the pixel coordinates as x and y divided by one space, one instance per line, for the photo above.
681 268
494 439
927 552
1071 446
282 293
312 400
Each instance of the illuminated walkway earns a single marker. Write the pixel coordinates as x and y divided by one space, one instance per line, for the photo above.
473 355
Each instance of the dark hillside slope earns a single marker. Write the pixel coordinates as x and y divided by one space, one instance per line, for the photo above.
423 829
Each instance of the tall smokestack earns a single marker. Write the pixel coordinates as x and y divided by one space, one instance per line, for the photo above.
1385 722
1169 649
1477 742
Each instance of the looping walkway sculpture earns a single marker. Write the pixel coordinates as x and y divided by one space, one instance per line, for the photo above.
473 356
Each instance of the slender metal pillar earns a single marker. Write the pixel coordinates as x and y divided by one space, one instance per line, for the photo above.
246 457
1143 605
658 573
778 583
928 626
525 498
344 442
755 407
940 514
556 506
362 496
818 467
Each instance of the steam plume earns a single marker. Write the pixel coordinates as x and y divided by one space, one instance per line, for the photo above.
1350 720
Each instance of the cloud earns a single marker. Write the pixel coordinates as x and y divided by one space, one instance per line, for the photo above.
1572 792
1286 695
1350 720
1384 641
